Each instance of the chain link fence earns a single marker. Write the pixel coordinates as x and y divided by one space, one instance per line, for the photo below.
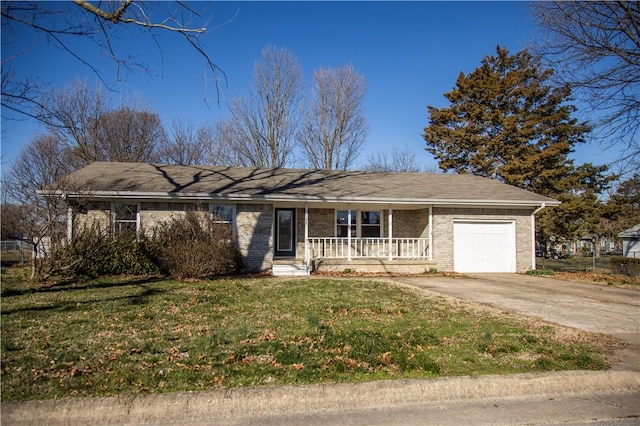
15 251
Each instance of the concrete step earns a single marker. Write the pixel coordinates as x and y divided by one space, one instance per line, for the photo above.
289 270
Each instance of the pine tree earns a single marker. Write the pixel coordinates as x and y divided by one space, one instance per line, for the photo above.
508 122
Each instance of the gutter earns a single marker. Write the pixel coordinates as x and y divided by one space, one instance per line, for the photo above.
141 195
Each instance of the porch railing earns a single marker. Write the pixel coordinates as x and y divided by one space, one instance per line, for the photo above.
378 248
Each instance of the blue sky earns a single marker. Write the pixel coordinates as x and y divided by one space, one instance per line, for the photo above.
410 54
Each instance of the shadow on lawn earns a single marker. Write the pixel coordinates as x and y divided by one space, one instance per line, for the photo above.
140 298
73 305
86 285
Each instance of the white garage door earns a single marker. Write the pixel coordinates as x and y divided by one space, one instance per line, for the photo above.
484 247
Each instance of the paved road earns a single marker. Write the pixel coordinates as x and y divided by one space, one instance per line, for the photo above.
578 397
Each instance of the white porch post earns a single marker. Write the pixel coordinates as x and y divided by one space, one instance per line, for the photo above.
390 232
348 233
306 235
430 232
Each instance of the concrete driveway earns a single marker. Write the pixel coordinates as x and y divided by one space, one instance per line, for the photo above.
594 308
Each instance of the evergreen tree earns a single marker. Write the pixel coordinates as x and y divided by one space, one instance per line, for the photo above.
508 122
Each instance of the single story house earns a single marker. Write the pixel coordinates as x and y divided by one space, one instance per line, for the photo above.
631 241
294 221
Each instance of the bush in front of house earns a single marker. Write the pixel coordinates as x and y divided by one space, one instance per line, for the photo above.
194 246
191 246
626 266
94 252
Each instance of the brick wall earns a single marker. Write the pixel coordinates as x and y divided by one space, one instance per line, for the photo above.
443 232
408 223
254 224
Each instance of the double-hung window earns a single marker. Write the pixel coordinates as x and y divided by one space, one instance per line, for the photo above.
366 224
342 223
225 215
222 213
124 218
370 224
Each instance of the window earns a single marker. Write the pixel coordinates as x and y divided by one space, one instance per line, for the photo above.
342 223
222 213
125 218
366 224
370 224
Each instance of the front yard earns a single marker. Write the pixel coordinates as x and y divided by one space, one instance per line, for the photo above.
145 335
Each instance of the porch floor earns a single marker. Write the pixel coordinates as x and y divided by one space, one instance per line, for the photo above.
401 266
296 266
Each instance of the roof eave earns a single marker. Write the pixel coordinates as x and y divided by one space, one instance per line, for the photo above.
143 195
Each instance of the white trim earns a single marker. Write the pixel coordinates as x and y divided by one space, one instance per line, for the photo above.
307 258
430 232
309 199
390 225
349 232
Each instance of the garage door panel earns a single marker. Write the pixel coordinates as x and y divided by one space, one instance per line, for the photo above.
484 247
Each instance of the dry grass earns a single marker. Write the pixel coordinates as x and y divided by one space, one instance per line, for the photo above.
144 335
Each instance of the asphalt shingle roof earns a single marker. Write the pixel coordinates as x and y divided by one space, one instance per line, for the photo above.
161 180
633 232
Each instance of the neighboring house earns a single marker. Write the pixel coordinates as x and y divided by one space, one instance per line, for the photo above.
294 221
631 241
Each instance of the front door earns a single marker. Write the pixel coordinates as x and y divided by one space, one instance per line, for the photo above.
285 232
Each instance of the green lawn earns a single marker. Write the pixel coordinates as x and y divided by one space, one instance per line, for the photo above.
117 335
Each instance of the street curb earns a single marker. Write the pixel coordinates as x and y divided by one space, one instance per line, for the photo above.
222 405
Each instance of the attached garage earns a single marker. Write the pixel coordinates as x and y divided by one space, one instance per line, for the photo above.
484 246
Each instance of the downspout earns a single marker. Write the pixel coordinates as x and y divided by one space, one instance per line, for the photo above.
533 234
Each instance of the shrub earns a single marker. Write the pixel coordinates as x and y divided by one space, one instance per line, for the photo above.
539 272
626 266
94 252
194 246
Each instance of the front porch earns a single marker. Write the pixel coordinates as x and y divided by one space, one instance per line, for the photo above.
369 248
374 255
363 238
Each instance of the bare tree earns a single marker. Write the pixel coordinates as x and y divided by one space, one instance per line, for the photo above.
265 123
40 163
80 117
72 114
398 160
227 146
334 127
595 47
187 145
63 24
129 135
